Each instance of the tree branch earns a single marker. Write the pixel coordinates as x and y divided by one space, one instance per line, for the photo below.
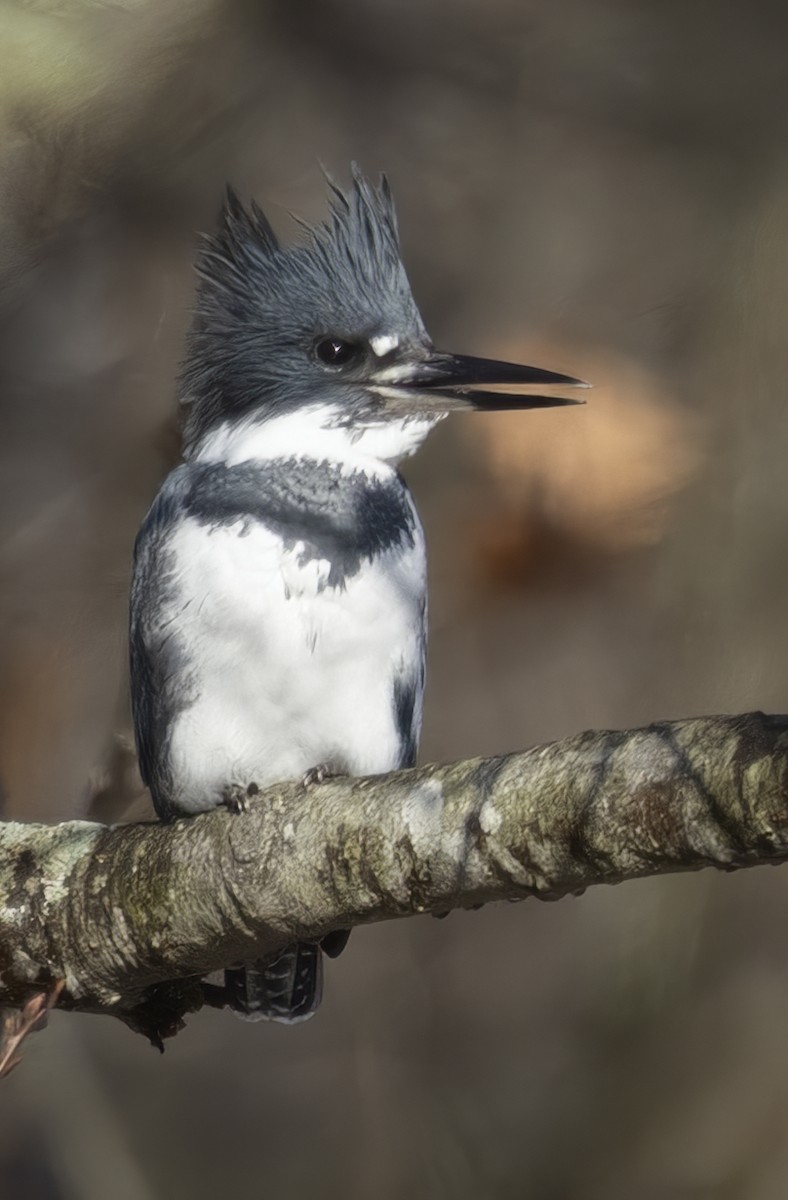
130 917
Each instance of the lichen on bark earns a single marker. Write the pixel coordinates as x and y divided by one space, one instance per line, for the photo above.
131 917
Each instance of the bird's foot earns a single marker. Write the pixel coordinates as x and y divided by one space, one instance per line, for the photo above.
236 798
319 773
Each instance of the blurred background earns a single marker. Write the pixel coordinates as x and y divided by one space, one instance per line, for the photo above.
595 186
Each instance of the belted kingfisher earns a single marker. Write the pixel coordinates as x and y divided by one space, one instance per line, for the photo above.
279 600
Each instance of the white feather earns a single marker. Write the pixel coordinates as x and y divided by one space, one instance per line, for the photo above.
289 672
317 433
384 344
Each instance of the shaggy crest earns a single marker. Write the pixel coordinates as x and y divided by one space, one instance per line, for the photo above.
261 306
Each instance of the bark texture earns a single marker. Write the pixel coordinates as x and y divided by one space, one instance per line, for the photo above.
130 917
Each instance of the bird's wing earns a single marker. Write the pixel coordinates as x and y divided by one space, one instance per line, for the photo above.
409 691
153 648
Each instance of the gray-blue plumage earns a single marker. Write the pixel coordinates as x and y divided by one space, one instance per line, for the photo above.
261 305
278 607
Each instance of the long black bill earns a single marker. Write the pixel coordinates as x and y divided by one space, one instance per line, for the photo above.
464 380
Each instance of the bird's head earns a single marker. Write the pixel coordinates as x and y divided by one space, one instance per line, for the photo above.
328 331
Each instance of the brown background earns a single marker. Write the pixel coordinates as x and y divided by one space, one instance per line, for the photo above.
598 186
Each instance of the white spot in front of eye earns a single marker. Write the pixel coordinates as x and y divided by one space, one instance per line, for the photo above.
384 344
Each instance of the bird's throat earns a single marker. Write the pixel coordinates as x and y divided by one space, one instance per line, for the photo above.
316 432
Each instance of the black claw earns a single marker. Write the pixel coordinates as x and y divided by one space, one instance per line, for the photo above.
319 773
236 798
334 943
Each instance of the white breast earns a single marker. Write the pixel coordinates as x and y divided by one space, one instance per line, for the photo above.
289 672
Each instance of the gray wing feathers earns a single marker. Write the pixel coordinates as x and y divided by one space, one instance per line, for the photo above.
160 677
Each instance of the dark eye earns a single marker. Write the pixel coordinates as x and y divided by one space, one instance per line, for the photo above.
335 352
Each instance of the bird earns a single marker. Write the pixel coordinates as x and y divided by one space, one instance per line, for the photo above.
278 624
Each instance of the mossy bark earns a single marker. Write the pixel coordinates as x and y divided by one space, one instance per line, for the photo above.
131 917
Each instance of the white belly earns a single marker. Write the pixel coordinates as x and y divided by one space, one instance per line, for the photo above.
290 673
